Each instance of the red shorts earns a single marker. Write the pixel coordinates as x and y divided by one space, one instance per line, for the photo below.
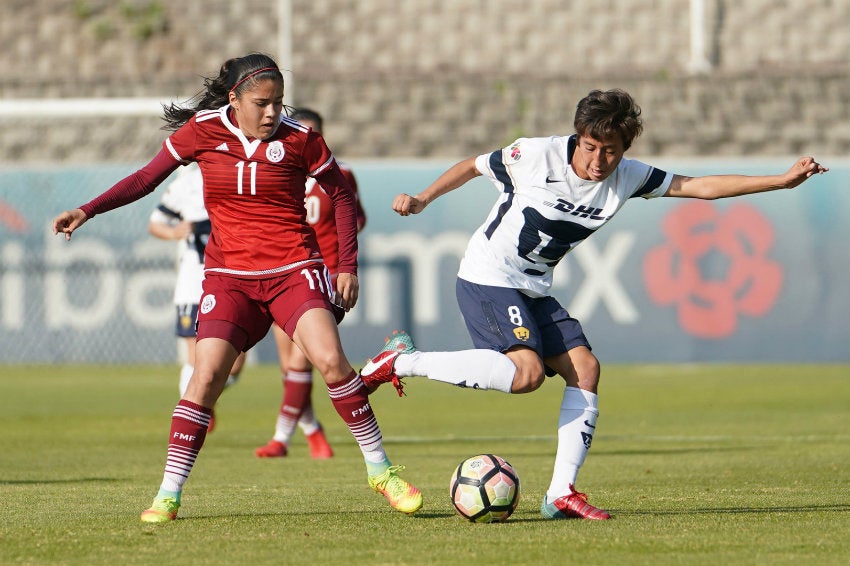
241 311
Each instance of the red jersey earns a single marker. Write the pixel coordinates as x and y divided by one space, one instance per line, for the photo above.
320 215
254 192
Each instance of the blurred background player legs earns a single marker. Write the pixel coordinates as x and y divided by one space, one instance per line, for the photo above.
186 316
296 407
181 216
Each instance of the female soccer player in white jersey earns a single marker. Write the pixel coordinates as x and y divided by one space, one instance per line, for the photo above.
181 216
262 262
554 193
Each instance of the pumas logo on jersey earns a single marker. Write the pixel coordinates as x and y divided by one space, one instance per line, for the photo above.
222 147
274 152
208 304
522 333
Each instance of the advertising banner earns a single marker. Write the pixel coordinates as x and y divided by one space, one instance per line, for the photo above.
763 278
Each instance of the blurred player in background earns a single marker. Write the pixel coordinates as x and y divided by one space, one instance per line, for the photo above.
181 216
296 369
262 263
554 193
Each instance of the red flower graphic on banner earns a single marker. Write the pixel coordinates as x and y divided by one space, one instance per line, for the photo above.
709 307
12 219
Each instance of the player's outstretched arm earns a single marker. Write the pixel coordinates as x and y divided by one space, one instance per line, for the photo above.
724 186
456 176
69 221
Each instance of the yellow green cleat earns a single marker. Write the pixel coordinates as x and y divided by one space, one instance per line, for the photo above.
402 496
162 510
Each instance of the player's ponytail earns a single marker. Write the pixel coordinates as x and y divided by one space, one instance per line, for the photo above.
235 75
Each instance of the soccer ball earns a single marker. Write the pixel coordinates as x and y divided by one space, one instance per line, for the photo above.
484 489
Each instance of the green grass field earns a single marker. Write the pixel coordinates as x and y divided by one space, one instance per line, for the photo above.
698 464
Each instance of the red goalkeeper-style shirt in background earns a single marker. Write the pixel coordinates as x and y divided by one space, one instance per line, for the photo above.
296 406
320 215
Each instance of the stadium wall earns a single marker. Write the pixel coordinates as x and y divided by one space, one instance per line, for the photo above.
442 78
399 82
757 279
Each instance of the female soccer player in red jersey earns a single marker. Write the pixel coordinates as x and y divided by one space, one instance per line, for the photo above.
262 263
297 371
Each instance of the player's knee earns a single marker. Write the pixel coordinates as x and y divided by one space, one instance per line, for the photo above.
588 367
203 379
588 371
529 376
330 364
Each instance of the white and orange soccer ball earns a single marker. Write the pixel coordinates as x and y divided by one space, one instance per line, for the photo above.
484 489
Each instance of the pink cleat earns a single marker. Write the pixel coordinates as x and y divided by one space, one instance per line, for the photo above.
572 506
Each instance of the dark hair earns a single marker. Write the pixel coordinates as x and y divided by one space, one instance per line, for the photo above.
308 114
602 114
237 75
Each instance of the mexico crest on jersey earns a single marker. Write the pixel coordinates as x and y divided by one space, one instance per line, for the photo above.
275 151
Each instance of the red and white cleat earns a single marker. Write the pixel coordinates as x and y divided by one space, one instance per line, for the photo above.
572 506
381 368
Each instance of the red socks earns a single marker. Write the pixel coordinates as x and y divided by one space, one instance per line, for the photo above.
351 400
188 430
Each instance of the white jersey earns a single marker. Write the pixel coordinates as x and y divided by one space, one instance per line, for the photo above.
545 210
183 200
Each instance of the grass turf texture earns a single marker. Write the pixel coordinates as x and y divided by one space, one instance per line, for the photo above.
698 465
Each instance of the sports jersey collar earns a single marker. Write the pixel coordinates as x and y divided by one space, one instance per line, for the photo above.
572 145
249 146
571 149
